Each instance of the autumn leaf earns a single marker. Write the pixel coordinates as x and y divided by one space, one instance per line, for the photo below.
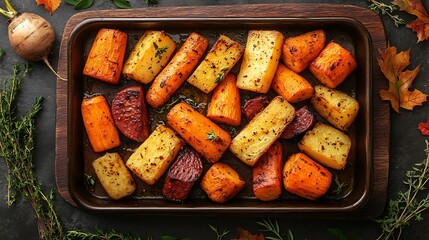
416 8
424 127
50 5
246 235
392 65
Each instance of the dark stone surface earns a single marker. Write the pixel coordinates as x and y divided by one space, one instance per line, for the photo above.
18 221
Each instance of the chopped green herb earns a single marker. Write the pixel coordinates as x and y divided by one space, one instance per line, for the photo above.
221 76
159 50
212 136
90 180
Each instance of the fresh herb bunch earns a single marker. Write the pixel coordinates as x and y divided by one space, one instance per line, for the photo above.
274 228
407 206
386 9
16 145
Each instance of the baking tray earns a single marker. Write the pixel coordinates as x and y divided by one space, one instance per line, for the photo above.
148 199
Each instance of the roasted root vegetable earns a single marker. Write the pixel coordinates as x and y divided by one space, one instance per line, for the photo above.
306 178
254 106
114 175
130 113
267 174
177 70
205 136
260 133
335 106
221 58
153 157
299 51
289 84
99 125
150 54
225 102
327 145
260 60
182 175
221 182
106 57
333 65
304 120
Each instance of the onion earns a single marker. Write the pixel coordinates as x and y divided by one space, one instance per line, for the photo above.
31 36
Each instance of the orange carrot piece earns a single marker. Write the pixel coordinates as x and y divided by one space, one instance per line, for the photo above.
99 125
177 71
267 174
305 177
106 57
333 65
225 103
291 85
207 138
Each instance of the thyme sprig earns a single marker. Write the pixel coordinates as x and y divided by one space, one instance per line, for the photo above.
407 206
16 146
219 235
221 76
159 50
212 136
274 228
339 185
386 9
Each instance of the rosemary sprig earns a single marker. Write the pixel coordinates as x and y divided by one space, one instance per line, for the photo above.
407 206
339 185
159 50
386 9
16 146
274 228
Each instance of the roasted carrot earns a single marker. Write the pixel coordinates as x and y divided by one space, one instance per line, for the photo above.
106 57
201 133
293 87
99 125
333 65
221 182
177 70
299 51
225 103
305 177
267 174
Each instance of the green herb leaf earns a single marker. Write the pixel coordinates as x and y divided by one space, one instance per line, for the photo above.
2 52
124 4
90 180
212 136
159 50
386 9
72 2
219 236
274 228
83 4
221 76
339 185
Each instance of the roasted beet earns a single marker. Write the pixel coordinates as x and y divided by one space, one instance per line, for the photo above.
182 175
254 106
303 120
130 113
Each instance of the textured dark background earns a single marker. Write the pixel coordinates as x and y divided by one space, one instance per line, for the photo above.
18 222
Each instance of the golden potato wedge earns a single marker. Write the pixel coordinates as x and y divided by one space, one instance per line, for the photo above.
152 158
327 145
149 56
221 58
335 106
299 51
260 133
260 60
114 175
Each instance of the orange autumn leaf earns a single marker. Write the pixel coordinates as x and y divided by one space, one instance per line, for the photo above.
416 8
50 5
392 65
246 235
